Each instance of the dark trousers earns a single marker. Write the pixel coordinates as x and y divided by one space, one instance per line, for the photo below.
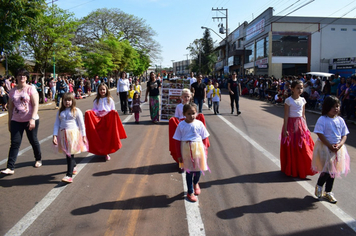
216 107
17 129
326 178
199 102
123 101
234 98
192 178
59 96
70 165
130 106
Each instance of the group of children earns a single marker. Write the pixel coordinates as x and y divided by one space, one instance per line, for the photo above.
189 137
298 155
100 134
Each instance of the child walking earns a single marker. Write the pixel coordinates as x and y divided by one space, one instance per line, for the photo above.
216 98
130 95
296 143
330 156
191 135
69 133
136 108
104 103
209 89
103 125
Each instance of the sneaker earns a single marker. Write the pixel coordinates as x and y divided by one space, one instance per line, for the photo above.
192 197
67 179
38 164
108 158
75 171
8 171
197 190
318 191
330 197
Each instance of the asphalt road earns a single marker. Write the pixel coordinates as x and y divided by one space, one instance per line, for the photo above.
140 192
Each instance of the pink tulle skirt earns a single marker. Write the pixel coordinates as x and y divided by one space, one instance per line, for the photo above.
70 141
324 160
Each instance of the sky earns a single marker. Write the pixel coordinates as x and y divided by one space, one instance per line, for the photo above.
178 22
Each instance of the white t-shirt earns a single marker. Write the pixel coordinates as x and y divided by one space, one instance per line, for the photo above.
332 128
123 85
104 105
179 111
295 106
192 80
194 131
66 120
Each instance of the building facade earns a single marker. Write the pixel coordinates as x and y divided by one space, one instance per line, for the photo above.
181 67
286 45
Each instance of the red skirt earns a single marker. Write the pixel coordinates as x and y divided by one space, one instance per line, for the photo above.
296 152
172 126
104 132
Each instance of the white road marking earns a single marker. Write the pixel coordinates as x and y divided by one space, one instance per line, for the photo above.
338 212
195 222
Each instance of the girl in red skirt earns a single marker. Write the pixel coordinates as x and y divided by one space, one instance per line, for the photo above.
296 143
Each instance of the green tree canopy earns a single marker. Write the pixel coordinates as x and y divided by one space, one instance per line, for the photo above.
15 16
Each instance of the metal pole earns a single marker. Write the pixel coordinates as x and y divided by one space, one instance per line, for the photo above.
6 65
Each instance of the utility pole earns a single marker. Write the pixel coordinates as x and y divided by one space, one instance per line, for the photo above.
225 16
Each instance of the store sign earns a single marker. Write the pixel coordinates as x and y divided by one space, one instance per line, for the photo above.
262 66
345 60
255 29
345 67
226 69
219 65
263 61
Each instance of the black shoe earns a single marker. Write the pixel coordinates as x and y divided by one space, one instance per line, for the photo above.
232 112
239 112
214 113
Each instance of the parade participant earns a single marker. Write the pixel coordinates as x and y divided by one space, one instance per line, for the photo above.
234 88
209 90
69 133
122 87
296 143
137 87
153 86
199 92
136 108
22 116
185 97
130 95
103 125
191 134
330 156
216 98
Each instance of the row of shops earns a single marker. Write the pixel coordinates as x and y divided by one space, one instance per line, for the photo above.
287 45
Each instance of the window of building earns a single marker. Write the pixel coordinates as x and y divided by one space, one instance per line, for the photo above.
332 29
290 45
354 29
250 53
343 29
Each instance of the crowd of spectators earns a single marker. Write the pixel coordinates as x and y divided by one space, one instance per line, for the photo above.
316 89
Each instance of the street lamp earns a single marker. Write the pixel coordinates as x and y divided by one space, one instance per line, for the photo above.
203 27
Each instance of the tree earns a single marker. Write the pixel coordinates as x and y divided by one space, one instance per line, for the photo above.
51 32
202 52
14 61
104 22
15 16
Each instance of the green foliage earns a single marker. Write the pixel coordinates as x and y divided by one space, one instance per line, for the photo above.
202 52
51 32
14 61
15 16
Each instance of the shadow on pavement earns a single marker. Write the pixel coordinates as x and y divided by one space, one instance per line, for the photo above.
143 170
277 205
264 177
338 229
146 202
30 180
